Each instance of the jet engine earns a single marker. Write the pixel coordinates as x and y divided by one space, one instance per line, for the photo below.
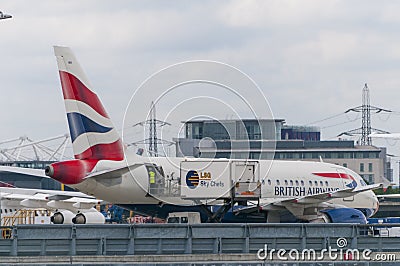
62 217
345 215
89 218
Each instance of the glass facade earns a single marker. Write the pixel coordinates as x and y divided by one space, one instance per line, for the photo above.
324 155
251 129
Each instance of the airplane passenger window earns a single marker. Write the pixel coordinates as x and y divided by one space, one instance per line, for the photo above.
321 183
297 183
316 183
277 182
286 183
269 181
310 182
302 182
291 182
326 183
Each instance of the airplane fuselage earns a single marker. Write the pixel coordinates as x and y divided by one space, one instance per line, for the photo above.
277 179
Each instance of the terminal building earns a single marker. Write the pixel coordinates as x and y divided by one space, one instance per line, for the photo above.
271 139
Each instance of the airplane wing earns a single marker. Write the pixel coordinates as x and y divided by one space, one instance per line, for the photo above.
113 177
322 197
295 204
49 199
388 196
23 171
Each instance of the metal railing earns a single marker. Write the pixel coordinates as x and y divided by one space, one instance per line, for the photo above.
159 239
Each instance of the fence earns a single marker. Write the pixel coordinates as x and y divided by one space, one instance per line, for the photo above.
160 239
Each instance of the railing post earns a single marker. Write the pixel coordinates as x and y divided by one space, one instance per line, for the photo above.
102 246
354 240
216 246
131 244
189 240
73 240
246 235
303 236
159 246
43 247
14 250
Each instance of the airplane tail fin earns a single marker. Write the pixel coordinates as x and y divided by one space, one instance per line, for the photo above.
92 133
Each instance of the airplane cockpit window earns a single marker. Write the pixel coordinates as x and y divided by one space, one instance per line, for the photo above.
363 182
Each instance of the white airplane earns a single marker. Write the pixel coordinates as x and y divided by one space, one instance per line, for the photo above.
66 207
4 16
220 189
385 135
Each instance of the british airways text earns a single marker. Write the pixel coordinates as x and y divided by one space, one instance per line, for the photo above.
300 191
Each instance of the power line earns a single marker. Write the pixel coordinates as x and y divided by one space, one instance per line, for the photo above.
324 119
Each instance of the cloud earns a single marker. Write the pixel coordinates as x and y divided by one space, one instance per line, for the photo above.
310 58
269 14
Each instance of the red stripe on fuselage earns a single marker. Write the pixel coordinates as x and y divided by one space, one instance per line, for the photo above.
335 175
113 151
74 89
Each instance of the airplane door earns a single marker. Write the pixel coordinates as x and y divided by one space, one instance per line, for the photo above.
247 179
156 179
245 172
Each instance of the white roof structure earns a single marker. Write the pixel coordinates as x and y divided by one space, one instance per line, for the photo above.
26 149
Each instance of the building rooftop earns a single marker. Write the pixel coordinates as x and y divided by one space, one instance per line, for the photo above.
231 120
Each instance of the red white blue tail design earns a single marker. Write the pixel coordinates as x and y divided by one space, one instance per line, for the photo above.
92 132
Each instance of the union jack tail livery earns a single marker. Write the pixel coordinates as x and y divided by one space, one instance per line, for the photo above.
92 132
93 135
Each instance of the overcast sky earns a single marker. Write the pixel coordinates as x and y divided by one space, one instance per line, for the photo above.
310 58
